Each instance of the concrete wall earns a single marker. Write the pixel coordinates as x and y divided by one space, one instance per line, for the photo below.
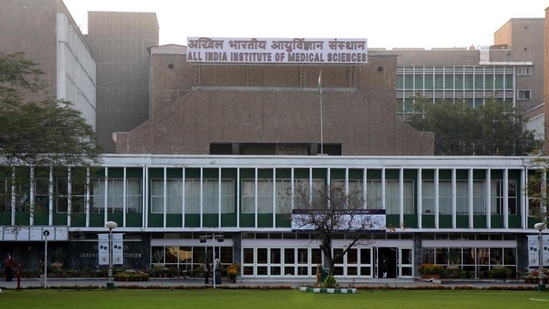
75 69
274 104
119 43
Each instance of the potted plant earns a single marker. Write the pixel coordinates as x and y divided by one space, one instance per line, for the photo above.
431 271
232 272
499 272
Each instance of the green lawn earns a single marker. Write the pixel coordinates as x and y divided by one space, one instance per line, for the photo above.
275 299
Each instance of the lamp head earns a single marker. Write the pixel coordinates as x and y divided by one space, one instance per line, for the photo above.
111 225
539 226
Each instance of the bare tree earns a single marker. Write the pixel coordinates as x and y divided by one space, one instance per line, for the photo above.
332 212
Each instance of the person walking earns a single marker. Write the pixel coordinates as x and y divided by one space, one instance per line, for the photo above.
9 263
206 271
217 271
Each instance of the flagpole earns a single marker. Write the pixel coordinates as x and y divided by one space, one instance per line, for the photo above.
321 128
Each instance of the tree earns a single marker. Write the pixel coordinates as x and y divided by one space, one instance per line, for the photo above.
329 213
496 128
35 128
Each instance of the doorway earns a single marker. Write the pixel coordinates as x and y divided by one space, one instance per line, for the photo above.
390 255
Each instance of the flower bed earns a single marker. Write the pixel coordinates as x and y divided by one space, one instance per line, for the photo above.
131 275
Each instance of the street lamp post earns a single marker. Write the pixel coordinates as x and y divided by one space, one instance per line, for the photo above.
540 227
46 234
218 238
110 225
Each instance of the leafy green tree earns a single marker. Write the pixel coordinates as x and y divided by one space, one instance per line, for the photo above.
493 129
35 128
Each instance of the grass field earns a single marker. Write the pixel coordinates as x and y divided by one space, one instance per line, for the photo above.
279 299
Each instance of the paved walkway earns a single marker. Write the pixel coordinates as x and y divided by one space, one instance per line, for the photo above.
57 282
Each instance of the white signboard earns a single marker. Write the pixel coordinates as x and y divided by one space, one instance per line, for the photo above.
533 250
360 220
117 252
103 249
298 50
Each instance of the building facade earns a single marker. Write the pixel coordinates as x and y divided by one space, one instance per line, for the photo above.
472 212
45 31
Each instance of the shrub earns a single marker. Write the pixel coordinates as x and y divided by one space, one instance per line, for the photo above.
430 269
329 282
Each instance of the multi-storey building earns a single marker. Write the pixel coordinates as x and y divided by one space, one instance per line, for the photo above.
45 31
511 70
222 141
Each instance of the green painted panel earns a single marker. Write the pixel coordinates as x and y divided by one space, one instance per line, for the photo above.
532 221
283 221
39 219
175 173
479 174
497 221
58 219
445 174
134 220
393 221
97 220
479 221
427 174
462 221
320 173
210 220
5 218
445 221
265 220
373 174
156 220
428 221
410 221
192 220
117 217
228 220
301 173
77 220
337 173
174 220
192 173
247 220
356 173
283 173
265 173
514 221
211 173
392 174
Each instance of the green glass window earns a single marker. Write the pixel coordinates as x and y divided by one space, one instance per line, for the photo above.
429 81
419 81
439 81
400 81
489 81
449 81
509 81
409 81
459 82
479 81
499 81
469 80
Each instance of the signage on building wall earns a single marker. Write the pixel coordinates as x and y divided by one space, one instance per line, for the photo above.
533 250
298 50
117 249
360 220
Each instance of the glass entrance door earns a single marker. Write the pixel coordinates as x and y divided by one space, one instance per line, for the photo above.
405 263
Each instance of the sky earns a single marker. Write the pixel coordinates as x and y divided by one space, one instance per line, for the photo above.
384 23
